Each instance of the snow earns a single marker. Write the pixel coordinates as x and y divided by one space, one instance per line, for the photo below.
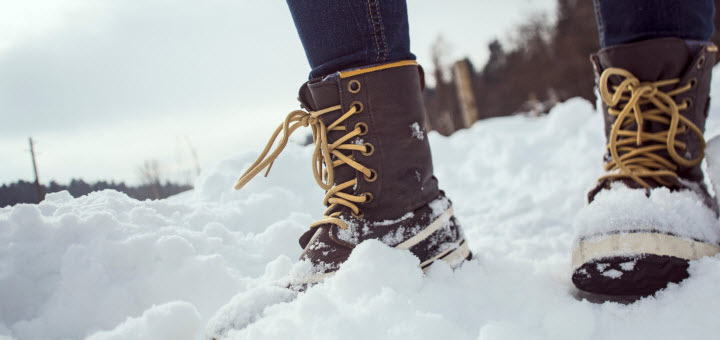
416 131
680 213
174 320
105 266
628 266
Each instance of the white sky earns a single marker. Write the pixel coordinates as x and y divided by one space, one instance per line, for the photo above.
103 85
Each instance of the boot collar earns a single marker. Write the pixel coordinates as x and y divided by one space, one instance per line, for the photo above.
648 60
319 93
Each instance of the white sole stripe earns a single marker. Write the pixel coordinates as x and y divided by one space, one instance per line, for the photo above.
454 255
425 233
638 243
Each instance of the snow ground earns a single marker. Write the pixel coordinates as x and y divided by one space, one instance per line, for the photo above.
105 266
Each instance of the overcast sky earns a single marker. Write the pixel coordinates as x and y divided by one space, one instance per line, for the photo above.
103 85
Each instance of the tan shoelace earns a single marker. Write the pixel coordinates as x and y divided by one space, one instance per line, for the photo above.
322 163
638 162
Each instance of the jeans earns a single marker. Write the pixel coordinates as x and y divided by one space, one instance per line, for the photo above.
342 34
624 21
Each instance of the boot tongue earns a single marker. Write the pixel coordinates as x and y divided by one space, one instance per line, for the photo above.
649 60
320 93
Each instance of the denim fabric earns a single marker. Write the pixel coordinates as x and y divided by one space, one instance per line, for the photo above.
624 21
341 34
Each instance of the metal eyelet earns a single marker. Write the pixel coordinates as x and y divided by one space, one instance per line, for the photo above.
358 105
701 62
363 128
368 197
692 82
373 176
371 149
354 86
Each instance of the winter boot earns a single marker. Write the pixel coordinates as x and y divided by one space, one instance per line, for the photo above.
373 159
651 213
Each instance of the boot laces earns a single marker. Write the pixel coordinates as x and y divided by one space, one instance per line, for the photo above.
634 152
323 164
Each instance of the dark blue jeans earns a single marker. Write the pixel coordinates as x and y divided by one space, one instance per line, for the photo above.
624 21
341 34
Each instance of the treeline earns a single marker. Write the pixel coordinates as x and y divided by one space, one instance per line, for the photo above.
548 63
26 192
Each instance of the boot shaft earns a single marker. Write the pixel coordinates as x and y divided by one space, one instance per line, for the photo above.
655 100
648 82
393 116
661 59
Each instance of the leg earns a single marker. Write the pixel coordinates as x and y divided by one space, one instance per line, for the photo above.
339 35
622 21
651 213
365 106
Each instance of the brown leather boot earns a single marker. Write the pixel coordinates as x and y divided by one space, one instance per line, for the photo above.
651 213
373 159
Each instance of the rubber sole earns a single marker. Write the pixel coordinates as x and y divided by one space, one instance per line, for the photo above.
634 264
629 276
582 295
454 257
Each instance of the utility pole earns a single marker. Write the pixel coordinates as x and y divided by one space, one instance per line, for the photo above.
37 180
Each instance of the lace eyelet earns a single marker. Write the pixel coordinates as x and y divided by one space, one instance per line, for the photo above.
688 102
692 82
358 106
701 62
363 128
358 216
354 86
373 176
368 197
371 149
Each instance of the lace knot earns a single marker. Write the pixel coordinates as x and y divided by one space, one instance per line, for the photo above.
635 102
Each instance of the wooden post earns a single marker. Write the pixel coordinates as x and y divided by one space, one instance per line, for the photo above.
38 188
428 125
466 97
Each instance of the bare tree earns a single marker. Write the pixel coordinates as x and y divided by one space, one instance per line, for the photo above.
149 173
441 102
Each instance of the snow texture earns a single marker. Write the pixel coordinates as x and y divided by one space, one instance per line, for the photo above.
105 266
680 213
416 131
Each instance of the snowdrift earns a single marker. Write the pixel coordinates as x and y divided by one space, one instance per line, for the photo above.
105 266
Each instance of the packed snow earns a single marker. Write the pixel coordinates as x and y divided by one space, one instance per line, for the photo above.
416 131
105 266
680 213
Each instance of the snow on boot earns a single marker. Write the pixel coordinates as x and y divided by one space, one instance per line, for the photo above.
651 213
373 159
